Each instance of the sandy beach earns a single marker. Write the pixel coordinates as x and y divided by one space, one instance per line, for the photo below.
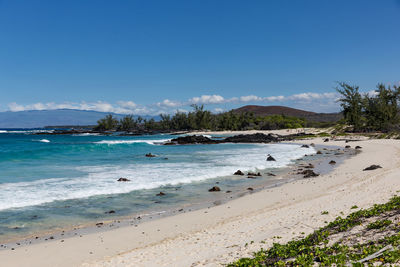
221 234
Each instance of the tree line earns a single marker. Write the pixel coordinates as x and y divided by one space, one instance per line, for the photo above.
200 119
370 112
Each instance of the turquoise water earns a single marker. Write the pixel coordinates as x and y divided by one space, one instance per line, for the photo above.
54 181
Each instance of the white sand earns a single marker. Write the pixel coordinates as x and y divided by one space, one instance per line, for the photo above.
219 234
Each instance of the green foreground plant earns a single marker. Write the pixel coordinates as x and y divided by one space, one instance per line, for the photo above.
315 248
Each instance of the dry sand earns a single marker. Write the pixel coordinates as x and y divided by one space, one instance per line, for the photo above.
218 235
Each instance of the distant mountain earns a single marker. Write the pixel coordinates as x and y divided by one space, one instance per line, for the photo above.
42 118
281 110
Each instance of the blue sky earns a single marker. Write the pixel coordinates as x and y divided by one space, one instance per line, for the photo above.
147 57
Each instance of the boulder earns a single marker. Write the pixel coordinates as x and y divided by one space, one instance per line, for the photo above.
372 167
347 146
161 194
149 155
270 158
326 140
214 189
357 147
312 144
270 174
110 212
332 162
122 179
250 189
319 152
306 146
238 172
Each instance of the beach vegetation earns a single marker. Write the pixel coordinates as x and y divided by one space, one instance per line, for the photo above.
109 122
377 110
324 248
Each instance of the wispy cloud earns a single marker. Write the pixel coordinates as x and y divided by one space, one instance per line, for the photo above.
306 100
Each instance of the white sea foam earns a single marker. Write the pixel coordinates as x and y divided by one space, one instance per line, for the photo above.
29 131
101 180
44 141
119 142
3 131
86 134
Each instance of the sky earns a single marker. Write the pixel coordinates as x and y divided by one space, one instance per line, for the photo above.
151 57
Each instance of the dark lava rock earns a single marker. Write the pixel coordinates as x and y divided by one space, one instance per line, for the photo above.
99 224
229 191
110 212
161 194
309 173
214 189
319 152
251 138
238 172
372 167
332 162
250 189
253 174
309 166
306 146
270 158
192 139
347 146
326 140
123 180
149 155
358 147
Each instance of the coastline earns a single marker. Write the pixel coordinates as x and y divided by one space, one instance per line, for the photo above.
232 187
218 235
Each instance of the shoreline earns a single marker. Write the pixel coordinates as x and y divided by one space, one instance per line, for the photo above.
283 175
218 235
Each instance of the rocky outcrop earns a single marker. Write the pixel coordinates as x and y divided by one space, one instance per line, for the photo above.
332 162
253 174
122 179
251 138
161 194
270 158
149 155
192 139
309 173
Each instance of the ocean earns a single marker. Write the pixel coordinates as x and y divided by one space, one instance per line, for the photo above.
50 182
